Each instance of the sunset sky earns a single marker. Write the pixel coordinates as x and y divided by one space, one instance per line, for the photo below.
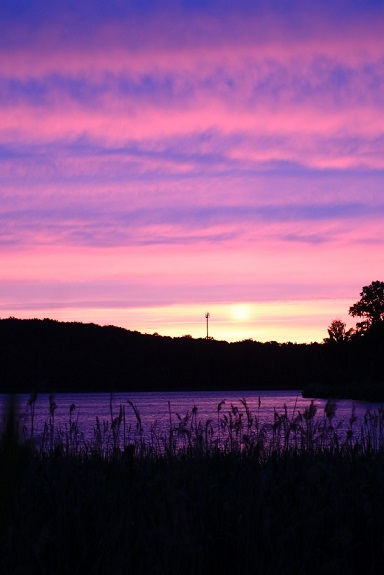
162 159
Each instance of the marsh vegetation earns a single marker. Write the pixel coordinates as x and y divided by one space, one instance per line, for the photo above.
291 496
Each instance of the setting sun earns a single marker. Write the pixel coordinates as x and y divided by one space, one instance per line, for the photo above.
240 312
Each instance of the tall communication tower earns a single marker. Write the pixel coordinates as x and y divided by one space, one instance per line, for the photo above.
207 316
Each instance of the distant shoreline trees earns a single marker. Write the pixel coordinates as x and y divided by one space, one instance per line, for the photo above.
354 358
337 332
370 307
50 356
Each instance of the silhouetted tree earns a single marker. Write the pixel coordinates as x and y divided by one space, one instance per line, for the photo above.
336 331
370 306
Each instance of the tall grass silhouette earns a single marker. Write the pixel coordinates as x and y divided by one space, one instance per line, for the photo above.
299 494
234 430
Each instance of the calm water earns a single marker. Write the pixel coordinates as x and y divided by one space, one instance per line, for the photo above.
154 407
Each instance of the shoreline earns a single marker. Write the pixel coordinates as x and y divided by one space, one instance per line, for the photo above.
370 392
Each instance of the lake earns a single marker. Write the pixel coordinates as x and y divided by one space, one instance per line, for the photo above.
157 409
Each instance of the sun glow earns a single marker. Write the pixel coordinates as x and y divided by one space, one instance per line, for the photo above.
240 312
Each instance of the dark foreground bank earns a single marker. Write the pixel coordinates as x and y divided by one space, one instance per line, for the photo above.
290 497
298 513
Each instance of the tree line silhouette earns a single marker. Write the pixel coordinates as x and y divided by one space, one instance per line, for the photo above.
51 356
370 308
354 358
47 355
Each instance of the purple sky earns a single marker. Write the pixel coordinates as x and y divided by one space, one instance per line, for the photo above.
163 159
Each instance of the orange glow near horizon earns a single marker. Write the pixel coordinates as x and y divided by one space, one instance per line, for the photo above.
229 321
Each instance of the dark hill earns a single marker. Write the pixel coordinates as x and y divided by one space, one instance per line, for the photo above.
47 355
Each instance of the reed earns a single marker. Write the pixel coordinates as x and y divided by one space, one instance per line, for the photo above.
236 430
295 495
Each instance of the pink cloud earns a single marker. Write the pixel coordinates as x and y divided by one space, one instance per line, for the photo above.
301 135
165 40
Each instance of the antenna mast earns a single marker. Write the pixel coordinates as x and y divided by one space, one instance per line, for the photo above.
207 316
